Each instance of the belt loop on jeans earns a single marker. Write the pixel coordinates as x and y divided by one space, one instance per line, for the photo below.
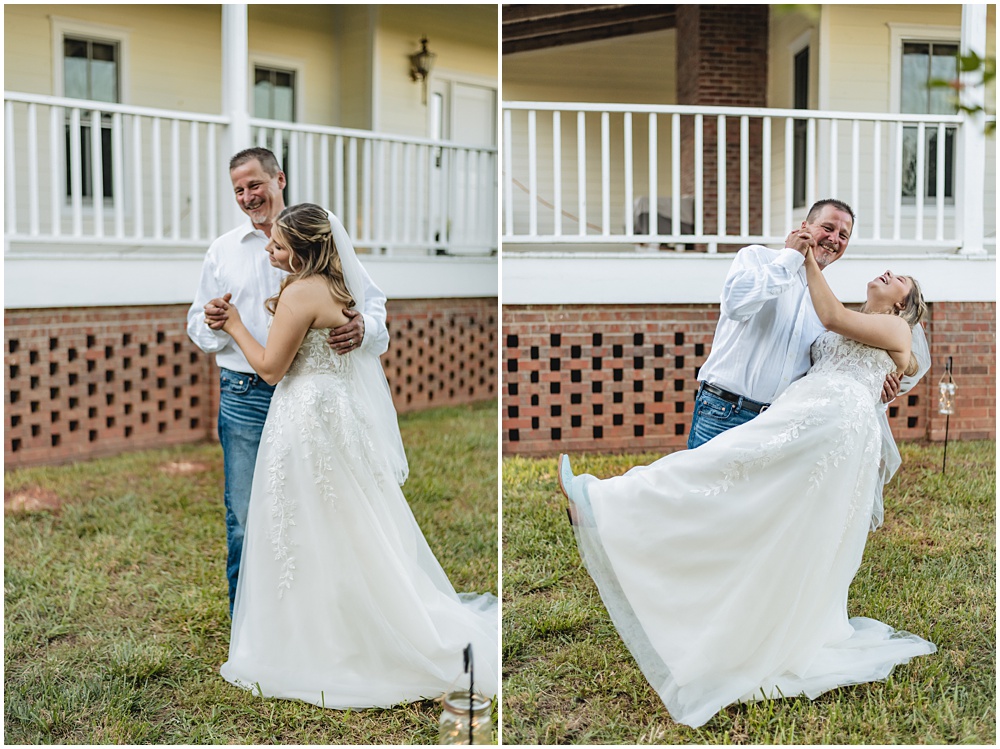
740 402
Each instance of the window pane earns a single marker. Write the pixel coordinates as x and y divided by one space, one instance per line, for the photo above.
103 51
274 94
74 48
437 111
283 104
910 162
944 66
75 77
262 98
801 80
104 81
914 84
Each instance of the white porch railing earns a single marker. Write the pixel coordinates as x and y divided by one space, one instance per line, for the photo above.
586 176
392 193
161 184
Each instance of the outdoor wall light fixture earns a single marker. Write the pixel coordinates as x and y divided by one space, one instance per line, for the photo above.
420 66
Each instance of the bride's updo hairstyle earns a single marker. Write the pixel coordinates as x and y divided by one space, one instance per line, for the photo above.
305 230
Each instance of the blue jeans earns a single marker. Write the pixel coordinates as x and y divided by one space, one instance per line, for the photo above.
713 416
242 411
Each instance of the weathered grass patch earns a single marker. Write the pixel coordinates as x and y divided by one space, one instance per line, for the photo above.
568 678
116 614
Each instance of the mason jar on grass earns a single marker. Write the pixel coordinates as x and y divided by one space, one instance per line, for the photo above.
456 716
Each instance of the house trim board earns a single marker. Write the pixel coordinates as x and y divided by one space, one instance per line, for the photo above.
697 278
77 281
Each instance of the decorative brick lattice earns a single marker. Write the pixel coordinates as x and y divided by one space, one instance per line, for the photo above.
443 352
87 382
619 378
96 381
624 377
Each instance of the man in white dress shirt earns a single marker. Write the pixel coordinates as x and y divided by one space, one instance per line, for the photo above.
767 324
237 267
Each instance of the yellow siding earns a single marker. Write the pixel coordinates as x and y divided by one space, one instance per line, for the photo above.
635 69
611 70
353 39
786 28
27 53
303 33
172 51
859 52
463 38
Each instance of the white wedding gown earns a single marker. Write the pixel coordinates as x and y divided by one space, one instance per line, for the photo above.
726 568
340 601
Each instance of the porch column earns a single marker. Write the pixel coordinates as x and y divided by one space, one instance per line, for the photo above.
722 61
971 181
235 95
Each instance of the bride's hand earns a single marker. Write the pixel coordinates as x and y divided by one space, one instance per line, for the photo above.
810 258
232 318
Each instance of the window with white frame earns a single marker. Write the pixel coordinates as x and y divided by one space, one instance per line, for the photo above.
274 99
91 71
800 100
274 94
923 62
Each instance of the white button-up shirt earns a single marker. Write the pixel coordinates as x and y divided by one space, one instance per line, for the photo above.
766 325
237 263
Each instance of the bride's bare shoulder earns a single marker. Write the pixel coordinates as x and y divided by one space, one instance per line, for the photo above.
317 293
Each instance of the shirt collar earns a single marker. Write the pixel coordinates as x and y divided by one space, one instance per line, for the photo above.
247 229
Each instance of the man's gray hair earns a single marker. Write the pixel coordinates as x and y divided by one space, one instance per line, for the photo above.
264 157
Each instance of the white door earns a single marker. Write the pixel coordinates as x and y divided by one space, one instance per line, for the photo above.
464 181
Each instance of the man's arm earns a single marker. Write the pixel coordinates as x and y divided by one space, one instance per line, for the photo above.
367 328
756 277
208 340
376 340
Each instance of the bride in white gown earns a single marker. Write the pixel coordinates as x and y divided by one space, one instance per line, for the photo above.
340 601
726 568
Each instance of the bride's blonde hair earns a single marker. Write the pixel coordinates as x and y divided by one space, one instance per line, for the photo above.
913 311
305 229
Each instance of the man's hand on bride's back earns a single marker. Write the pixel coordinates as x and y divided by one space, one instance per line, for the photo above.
348 336
890 388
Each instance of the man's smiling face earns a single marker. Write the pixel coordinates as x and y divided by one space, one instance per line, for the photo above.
258 193
831 229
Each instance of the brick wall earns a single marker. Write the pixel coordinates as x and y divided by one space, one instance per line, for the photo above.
966 331
623 377
80 383
722 61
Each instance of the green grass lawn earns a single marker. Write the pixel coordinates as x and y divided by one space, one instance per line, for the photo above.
116 612
930 569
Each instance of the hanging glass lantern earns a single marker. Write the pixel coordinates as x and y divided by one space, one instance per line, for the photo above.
946 397
467 717
462 712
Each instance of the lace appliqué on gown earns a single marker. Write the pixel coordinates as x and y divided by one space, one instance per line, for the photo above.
726 568
340 600
313 403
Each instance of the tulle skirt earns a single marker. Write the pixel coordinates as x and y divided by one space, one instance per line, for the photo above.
340 601
726 568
